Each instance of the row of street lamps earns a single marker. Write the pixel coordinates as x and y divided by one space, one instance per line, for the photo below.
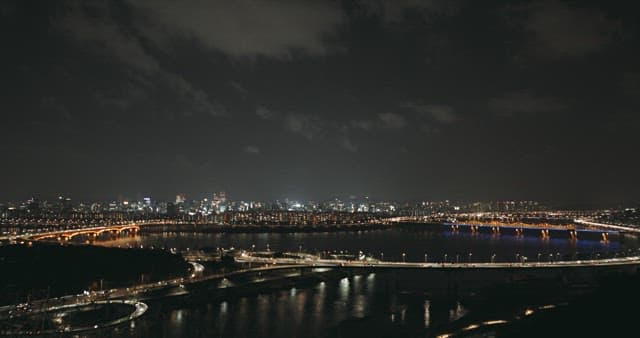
518 258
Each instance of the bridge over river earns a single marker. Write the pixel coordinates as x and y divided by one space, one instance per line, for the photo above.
578 228
65 235
632 261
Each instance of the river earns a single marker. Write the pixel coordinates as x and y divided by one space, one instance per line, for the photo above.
390 244
359 304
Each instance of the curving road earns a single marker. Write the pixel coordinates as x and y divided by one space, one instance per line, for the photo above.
139 309
607 226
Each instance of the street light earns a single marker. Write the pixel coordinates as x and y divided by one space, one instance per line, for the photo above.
470 257
382 256
445 258
493 258
403 257
425 257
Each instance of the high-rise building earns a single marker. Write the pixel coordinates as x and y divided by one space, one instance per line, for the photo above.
181 198
33 206
218 201
172 209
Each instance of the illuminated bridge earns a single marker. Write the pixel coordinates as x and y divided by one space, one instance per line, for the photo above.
65 235
451 278
579 228
608 262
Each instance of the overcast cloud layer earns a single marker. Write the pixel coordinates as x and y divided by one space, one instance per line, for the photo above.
316 99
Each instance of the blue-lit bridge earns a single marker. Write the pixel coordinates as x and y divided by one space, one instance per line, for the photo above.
578 228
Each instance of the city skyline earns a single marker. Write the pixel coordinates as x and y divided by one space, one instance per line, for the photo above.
220 198
210 197
527 100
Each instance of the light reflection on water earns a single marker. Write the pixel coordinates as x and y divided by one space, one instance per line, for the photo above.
427 319
344 289
262 311
298 311
457 313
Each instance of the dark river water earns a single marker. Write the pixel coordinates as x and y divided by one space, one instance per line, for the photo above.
390 244
345 306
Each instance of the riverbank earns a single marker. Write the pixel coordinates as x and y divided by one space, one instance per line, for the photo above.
260 228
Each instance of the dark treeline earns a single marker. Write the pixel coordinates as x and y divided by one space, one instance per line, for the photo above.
50 270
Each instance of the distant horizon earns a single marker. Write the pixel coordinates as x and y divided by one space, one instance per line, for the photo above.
343 198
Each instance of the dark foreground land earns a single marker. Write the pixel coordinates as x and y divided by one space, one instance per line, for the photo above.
606 311
610 311
50 270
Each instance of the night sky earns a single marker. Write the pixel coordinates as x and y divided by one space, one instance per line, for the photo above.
474 100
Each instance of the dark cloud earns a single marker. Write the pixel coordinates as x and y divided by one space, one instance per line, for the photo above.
55 109
307 125
251 149
249 28
365 125
239 88
196 98
428 129
392 120
438 113
631 84
95 25
347 144
394 12
122 98
264 113
524 101
7 9
566 29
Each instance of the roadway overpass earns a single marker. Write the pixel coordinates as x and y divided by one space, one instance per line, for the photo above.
624 228
376 264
